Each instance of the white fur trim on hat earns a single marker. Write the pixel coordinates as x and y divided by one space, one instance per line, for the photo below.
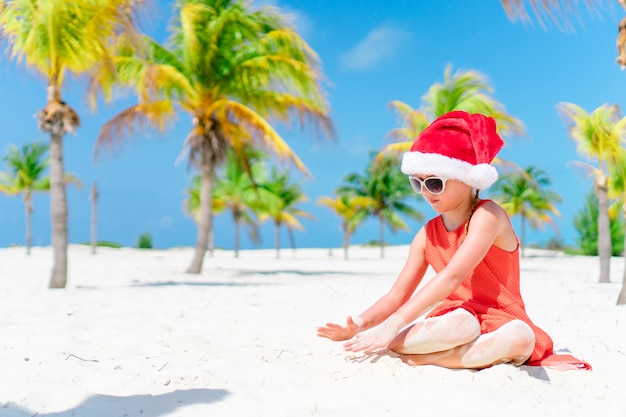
479 176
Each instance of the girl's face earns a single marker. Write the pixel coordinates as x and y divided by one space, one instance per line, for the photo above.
455 194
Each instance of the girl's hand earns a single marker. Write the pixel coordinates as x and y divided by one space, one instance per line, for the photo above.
376 338
338 332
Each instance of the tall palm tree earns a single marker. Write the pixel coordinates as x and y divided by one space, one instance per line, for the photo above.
56 38
599 137
524 193
351 211
26 176
467 90
231 69
617 188
386 189
278 200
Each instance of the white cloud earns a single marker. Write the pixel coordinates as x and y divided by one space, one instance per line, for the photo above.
379 45
166 222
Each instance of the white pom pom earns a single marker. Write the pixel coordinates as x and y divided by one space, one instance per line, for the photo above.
482 176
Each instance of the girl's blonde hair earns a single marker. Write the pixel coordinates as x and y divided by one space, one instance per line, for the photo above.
474 204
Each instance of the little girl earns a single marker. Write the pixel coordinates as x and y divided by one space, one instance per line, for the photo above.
479 318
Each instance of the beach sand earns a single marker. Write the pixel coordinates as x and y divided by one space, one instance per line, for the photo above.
133 335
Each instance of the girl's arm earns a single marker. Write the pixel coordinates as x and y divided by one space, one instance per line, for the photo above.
404 286
488 224
408 280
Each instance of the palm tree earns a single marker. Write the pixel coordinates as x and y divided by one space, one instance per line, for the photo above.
278 200
231 70
524 193
236 191
58 37
585 222
599 136
467 90
383 189
26 176
617 188
350 210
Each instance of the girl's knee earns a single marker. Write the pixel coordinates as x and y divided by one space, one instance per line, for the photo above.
461 326
444 332
521 338
513 342
435 334
522 332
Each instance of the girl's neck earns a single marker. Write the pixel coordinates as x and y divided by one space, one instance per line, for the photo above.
461 214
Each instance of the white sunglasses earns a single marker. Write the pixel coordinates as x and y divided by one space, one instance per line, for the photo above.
434 185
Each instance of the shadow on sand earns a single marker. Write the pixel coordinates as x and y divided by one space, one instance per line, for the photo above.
537 372
244 274
201 284
144 405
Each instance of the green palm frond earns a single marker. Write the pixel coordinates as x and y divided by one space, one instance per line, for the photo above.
471 91
600 135
281 196
58 36
226 67
26 169
526 194
125 123
261 133
382 187
617 178
467 90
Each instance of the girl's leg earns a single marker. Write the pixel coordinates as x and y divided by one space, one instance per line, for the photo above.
513 342
437 334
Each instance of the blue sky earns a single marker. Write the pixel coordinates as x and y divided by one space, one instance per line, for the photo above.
372 53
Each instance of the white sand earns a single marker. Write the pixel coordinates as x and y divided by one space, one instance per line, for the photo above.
133 335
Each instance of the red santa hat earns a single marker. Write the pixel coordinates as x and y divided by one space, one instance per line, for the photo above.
459 146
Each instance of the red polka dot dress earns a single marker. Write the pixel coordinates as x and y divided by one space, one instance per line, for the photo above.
491 292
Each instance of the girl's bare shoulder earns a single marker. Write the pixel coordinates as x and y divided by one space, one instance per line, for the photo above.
490 207
498 220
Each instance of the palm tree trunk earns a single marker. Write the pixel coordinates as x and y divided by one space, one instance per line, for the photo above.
58 212
621 299
277 239
29 212
211 243
237 221
292 240
94 218
381 230
523 234
604 230
346 242
204 224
